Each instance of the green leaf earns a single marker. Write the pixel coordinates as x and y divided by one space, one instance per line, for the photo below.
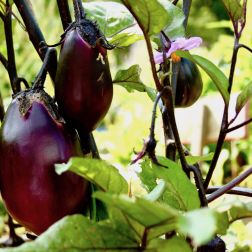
150 13
174 244
217 76
234 9
200 225
125 39
76 233
196 159
180 193
243 97
125 225
111 17
130 79
99 172
174 27
145 212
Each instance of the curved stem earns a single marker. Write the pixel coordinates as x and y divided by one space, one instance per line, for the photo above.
241 191
40 78
34 32
149 47
245 47
79 12
64 13
229 185
239 125
4 61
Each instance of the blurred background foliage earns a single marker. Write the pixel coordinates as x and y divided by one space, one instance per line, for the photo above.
127 123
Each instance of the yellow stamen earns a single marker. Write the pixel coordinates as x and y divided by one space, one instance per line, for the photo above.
175 58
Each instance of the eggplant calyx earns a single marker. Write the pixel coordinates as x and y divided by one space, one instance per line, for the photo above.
26 98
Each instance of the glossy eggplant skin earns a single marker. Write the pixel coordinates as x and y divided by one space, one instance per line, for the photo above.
30 145
83 85
189 84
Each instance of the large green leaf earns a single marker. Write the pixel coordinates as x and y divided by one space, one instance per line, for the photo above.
112 17
130 79
243 97
174 244
180 193
147 213
77 233
151 14
234 9
217 76
201 225
99 172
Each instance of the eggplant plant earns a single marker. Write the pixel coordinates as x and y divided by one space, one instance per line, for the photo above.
50 163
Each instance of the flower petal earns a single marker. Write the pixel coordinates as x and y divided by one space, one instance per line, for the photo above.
178 44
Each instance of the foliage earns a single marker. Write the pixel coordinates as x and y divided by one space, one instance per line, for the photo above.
165 202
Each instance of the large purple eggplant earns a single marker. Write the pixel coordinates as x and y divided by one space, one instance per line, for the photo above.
32 139
83 86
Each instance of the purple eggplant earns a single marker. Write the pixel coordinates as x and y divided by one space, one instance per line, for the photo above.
33 138
83 85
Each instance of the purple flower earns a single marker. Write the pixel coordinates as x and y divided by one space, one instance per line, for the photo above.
178 44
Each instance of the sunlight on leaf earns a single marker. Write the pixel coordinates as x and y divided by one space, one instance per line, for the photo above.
125 39
112 17
76 233
150 13
180 193
200 225
99 172
145 212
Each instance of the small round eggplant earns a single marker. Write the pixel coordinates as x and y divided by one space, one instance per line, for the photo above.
189 84
83 85
32 139
215 245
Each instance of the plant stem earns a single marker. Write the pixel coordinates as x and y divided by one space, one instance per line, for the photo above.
64 13
4 61
239 125
245 47
11 66
40 78
1 108
229 185
186 10
79 12
159 87
241 191
34 32
224 123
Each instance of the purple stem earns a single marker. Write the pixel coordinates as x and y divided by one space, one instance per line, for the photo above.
229 185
